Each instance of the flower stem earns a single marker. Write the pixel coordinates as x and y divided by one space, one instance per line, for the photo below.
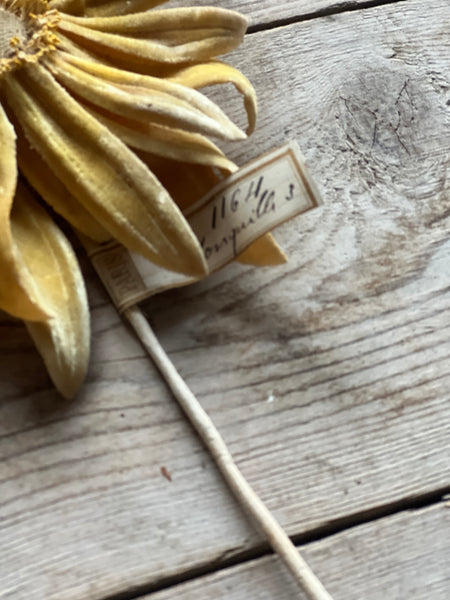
277 537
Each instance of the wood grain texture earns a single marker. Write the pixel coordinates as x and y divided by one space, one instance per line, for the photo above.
404 556
263 12
328 377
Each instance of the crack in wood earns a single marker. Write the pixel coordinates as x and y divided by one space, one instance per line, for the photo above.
329 11
234 557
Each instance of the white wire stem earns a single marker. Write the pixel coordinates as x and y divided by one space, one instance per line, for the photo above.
277 537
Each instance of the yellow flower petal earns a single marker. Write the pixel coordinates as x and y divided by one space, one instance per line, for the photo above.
15 294
142 98
102 173
174 144
103 8
216 72
63 339
195 181
180 94
168 36
264 252
71 7
54 192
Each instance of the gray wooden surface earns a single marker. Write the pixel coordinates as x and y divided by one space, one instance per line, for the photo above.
262 13
401 556
328 377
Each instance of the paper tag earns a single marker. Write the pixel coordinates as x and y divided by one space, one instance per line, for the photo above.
249 203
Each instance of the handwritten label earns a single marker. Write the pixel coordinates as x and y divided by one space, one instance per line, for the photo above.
249 203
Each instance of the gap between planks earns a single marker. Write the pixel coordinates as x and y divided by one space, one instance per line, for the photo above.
334 9
343 524
413 503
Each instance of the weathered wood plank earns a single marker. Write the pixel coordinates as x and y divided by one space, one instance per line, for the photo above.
404 556
329 377
268 11
359 317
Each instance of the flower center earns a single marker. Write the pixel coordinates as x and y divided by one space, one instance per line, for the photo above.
11 28
26 32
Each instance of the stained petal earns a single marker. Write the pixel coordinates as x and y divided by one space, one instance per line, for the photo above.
143 98
16 294
170 36
102 173
216 72
63 339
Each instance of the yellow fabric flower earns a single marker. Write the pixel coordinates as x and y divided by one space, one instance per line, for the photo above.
100 114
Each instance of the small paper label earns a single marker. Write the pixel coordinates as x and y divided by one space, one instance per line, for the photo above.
118 272
249 203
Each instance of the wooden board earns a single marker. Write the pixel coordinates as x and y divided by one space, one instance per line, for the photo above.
328 377
264 12
404 556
